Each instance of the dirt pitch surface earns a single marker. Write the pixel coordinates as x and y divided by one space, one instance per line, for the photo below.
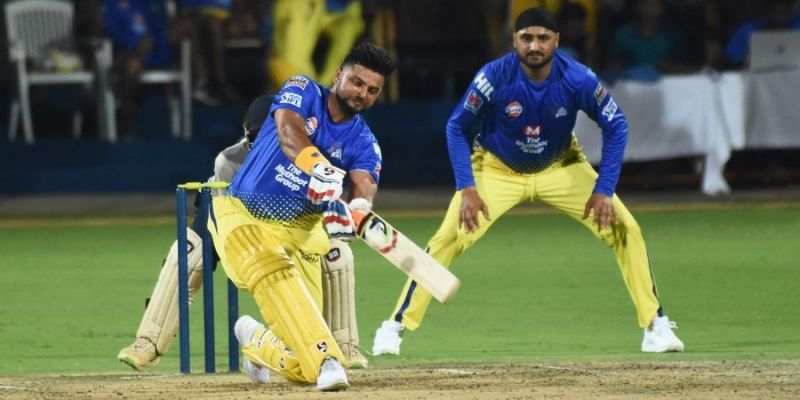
667 380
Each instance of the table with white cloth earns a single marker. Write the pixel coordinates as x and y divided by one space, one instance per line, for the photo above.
706 115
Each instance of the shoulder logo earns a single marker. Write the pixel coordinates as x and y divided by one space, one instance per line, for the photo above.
600 93
610 110
483 85
311 125
297 81
292 98
473 103
514 109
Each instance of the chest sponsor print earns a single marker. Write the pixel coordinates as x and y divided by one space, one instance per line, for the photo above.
514 109
311 125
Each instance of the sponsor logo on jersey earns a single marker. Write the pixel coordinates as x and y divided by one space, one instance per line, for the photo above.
311 125
377 150
610 110
484 86
333 255
533 131
473 103
600 93
292 98
562 112
514 109
335 152
297 81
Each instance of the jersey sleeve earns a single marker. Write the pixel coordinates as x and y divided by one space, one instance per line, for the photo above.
298 94
368 156
597 103
473 106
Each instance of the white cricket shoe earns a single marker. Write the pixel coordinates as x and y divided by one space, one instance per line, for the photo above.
387 339
140 355
659 338
244 329
332 376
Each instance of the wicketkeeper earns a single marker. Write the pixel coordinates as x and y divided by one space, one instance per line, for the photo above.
160 320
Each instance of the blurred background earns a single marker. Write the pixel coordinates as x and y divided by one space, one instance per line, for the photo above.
130 97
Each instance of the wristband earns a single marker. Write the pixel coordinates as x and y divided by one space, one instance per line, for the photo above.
308 157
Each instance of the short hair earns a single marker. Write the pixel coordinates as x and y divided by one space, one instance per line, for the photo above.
372 57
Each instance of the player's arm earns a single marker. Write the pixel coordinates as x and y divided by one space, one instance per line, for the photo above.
325 184
599 105
473 105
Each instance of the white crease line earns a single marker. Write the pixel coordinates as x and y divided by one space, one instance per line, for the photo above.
10 387
455 371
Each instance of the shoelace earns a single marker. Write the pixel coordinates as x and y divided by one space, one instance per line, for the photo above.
144 346
668 326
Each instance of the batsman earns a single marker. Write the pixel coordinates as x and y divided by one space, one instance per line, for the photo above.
526 103
160 320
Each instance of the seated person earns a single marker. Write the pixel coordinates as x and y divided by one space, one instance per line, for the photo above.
778 15
138 30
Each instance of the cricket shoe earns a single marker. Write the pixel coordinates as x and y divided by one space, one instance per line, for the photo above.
244 329
140 355
659 337
355 360
332 376
387 339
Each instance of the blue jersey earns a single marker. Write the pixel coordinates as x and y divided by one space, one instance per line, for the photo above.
128 22
528 125
271 186
223 4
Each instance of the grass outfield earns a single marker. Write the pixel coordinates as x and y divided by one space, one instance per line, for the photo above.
537 288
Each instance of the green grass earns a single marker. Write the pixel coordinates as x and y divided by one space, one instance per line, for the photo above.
536 288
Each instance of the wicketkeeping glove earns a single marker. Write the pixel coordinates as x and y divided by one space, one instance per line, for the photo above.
325 184
339 220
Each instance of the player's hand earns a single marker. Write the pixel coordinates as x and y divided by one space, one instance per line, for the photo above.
339 220
325 184
471 205
602 210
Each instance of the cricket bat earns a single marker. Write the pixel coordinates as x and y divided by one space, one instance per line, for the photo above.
407 256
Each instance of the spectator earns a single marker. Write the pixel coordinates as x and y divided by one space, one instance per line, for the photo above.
646 44
778 15
575 39
139 32
299 25
204 21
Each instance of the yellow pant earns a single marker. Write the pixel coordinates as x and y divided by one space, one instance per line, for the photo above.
298 26
281 267
566 187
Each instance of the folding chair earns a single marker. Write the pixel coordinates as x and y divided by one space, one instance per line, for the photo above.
33 27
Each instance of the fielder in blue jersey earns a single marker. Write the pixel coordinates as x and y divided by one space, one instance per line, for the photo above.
268 229
527 102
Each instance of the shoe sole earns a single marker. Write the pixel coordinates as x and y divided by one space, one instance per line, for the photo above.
667 350
335 387
129 361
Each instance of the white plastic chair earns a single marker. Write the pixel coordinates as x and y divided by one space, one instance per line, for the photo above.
33 27
181 108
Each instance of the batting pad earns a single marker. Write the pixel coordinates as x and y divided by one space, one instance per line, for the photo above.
270 352
338 291
282 296
160 320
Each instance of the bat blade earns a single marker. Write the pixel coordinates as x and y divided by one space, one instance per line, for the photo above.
408 257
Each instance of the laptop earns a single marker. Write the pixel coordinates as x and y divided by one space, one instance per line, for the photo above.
774 50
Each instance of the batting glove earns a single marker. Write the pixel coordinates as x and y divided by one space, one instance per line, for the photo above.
325 184
339 220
